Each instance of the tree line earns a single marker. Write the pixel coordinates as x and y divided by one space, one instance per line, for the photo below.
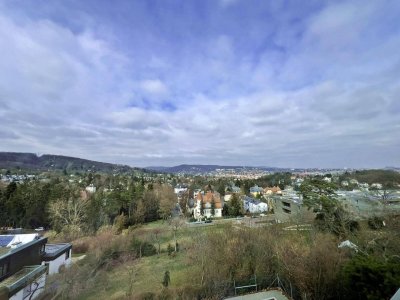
62 205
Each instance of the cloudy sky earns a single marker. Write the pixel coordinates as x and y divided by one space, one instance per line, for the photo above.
238 82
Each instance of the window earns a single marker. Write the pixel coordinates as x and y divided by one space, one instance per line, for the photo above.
3 269
286 204
47 264
67 254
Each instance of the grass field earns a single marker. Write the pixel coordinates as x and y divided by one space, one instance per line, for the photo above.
145 274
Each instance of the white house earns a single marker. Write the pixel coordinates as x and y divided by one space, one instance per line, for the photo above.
376 185
227 197
252 205
353 181
91 188
56 256
327 179
207 200
180 189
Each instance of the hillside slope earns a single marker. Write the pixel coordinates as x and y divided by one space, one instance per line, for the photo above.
48 162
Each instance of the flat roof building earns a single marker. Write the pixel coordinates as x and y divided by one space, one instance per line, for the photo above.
25 261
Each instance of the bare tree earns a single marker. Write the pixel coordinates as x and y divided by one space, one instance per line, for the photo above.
176 224
69 213
167 199
132 274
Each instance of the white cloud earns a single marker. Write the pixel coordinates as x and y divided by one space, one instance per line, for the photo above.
307 104
154 87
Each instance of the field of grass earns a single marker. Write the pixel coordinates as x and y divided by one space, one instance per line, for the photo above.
145 274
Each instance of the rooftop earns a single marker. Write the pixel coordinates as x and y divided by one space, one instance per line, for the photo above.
265 295
11 243
251 200
55 250
4 250
19 280
256 189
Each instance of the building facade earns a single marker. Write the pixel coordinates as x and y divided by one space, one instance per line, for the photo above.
208 204
25 262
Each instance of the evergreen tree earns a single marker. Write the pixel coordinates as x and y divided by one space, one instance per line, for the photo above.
201 207
167 280
235 207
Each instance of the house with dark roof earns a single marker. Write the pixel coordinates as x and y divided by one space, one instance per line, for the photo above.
256 190
25 262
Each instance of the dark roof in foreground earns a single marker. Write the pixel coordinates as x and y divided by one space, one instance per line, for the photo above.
53 251
264 295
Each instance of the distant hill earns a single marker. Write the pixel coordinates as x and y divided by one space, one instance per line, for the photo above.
48 162
387 177
201 169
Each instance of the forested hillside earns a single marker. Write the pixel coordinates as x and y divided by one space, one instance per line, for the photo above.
31 161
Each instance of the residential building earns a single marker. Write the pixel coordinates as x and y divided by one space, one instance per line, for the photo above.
56 256
205 202
256 190
228 197
180 189
273 190
25 261
376 186
91 188
327 179
252 205
353 181
290 208
234 189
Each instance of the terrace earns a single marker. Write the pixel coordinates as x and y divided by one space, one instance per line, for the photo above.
22 278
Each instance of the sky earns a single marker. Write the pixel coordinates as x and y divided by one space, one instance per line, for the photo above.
230 82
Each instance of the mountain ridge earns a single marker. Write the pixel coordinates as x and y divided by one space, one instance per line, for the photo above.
52 162
199 168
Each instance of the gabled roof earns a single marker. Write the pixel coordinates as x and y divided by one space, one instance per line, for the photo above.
256 189
274 189
209 197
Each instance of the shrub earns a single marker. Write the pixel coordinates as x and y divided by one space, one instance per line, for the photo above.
120 223
170 249
142 248
70 233
81 245
366 277
375 222
147 296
